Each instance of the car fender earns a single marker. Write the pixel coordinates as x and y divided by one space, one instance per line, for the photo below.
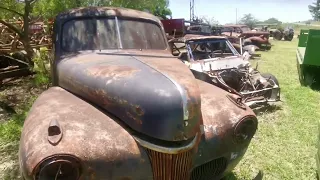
99 140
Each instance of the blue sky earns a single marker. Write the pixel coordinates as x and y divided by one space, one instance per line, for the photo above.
225 10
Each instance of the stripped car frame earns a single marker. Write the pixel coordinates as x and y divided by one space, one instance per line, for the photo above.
227 69
122 107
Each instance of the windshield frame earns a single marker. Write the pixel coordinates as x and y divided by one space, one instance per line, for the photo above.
190 51
119 36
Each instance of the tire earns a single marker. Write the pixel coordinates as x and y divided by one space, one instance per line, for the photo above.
271 76
308 78
288 38
277 35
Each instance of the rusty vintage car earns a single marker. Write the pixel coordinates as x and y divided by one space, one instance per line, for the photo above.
243 31
122 107
258 39
213 59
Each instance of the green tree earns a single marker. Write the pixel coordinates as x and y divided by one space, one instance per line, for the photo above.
272 21
314 9
249 20
209 20
50 8
22 9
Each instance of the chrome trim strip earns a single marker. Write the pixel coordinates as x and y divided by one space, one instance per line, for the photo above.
183 95
167 150
118 30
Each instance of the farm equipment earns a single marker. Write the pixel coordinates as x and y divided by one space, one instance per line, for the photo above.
307 55
277 32
287 34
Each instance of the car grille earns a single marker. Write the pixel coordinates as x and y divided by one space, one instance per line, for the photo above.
170 166
210 170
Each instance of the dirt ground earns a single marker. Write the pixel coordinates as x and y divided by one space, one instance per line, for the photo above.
15 98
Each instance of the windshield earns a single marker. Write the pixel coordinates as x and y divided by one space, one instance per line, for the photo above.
107 33
206 49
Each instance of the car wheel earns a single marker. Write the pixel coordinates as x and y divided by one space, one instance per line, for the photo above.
309 79
277 35
288 38
270 77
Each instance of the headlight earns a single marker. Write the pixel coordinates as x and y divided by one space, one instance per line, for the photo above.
61 167
245 129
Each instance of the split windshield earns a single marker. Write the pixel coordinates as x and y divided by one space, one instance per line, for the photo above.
206 49
111 33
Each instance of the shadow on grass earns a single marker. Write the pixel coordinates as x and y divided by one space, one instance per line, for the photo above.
232 176
267 109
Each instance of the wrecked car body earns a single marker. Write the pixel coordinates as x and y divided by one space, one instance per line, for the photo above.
122 107
258 39
213 59
244 31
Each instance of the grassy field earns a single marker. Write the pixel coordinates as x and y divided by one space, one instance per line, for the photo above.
283 148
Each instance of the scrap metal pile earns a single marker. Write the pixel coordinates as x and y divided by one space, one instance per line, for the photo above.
13 61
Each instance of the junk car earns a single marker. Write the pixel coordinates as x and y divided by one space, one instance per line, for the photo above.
213 59
122 107
244 31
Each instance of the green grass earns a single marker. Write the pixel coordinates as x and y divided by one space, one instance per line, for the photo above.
285 144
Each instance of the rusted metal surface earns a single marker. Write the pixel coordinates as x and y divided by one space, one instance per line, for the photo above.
106 11
98 139
171 166
219 121
112 90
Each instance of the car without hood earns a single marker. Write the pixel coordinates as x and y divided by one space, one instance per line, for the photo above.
213 59
122 107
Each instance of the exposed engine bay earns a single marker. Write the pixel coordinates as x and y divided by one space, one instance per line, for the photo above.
217 62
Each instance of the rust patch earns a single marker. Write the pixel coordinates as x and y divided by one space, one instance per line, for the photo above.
115 72
138 121
138 110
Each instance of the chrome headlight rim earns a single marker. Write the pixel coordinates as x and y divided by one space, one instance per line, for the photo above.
50 163
245 129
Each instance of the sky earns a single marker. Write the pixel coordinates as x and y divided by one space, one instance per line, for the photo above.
224 11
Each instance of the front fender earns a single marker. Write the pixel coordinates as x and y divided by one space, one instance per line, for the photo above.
220 117
104 146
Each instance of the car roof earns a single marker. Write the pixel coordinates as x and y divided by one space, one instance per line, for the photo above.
106 11
192 37
235 25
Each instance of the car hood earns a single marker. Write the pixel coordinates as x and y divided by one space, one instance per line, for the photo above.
155 95
213 64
